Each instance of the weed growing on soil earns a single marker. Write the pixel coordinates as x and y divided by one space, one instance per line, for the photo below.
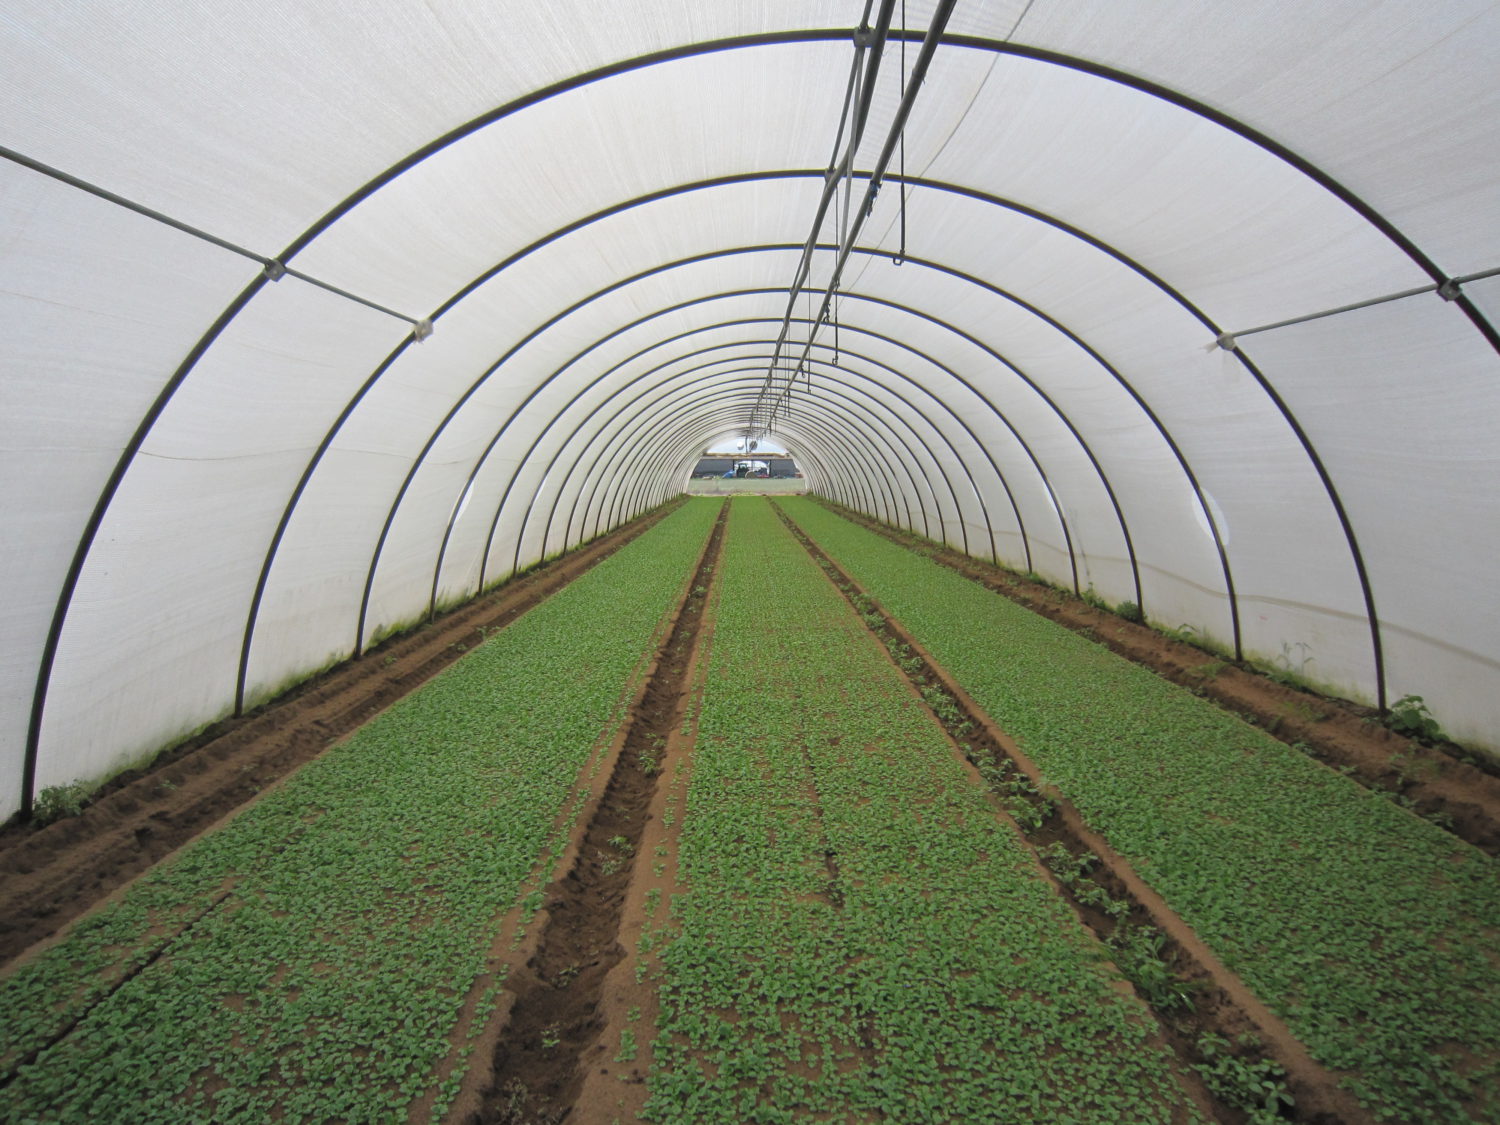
56 802
1256 1086
1092 597
1139 951
1409 716
1288 669
627 1046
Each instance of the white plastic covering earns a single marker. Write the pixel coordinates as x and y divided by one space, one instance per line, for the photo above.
212 485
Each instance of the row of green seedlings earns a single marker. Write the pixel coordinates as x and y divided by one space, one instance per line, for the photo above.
642 753
894 998
366 892
1368 930
59 802
1237 1070
1409 717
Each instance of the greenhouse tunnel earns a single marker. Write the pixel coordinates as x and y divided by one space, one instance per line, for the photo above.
323 317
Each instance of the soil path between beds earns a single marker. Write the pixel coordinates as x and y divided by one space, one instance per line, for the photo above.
52 874
565 1020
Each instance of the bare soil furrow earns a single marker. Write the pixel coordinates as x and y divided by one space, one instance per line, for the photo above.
555 1021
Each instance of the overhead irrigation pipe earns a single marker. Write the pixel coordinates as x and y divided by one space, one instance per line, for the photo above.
851 236
839 168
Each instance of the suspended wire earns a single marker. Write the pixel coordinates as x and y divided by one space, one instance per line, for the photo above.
958 124
901 253
859 94
830 185
273 269
851 236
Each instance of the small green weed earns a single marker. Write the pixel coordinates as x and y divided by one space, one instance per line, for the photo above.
627 1046
56 802
1288 669
1409 716
1256 1086
1092 597
1140 952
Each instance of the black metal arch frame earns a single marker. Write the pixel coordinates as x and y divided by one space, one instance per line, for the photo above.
850 295
659 391
848 481
876 416
683 335
1053 499
863 459
869 435
559 317
516 412
612 447
685 432
394 508
929 360
641 423
904 496
575 463
1105 73
848 460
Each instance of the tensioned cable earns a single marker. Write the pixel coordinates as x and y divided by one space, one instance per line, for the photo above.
767 413
274 270
958 124
1449 290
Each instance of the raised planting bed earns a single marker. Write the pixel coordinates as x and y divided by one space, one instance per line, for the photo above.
1370 931
862 934
332 951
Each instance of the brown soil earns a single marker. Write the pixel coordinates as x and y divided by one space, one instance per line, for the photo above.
1221 1003
51 874
614 1080
1460 796
553 1034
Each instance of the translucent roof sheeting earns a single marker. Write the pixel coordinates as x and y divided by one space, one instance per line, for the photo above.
233 454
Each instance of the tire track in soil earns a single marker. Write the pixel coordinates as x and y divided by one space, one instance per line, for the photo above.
1221 1004
55 873
557 1018
1462 797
